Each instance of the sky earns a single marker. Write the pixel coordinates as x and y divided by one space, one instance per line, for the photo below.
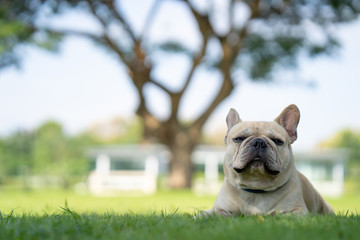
83 84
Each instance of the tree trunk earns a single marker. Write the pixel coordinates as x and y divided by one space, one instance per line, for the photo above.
181 167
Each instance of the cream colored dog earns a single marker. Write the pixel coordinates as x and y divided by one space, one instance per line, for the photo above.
260 174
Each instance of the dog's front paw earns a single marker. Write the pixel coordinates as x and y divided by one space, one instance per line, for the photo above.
213 212
294 211
203 214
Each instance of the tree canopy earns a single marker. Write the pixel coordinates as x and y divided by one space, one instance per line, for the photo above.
273 32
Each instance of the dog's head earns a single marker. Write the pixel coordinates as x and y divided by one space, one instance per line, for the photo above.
259 154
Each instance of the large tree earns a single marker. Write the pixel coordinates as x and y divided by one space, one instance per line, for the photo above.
255 38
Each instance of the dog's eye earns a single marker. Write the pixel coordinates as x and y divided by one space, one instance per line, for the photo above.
277 141
239 139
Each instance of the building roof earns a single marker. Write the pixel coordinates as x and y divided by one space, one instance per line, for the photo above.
325 154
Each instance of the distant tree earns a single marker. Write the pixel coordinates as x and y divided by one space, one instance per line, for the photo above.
56 154
350 140
16 153
259 38
49 149
77 165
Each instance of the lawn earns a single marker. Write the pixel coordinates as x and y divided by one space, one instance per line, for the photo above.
55 214
50 201
71 225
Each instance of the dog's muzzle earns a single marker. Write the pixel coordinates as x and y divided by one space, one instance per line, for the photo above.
256 153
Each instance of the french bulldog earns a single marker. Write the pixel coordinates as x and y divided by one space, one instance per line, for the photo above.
260 174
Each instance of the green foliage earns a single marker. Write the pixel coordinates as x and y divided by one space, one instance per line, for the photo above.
173 47
12 33
16 153
17 28
264 53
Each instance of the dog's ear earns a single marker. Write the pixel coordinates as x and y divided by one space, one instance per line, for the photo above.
232 118
289 119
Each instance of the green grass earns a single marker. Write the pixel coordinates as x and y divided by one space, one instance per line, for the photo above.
71 225
50 201
54 214
347 203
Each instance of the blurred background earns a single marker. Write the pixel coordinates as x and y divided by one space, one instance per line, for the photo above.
111 98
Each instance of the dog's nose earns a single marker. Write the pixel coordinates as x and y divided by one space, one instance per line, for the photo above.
259 143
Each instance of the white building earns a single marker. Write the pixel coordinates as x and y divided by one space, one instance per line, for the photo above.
137 168
325 169
126 168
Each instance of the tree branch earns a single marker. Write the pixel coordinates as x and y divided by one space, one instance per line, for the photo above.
229 57
161 86
231 13
149 19
138 70
203 21
206 31
112 45
196 61
176 97
105 39
139 73
242 33
89 35
254 9
225 90
118 15
139 77
93 11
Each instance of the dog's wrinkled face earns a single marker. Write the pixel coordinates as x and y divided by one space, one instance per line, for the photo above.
259 154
